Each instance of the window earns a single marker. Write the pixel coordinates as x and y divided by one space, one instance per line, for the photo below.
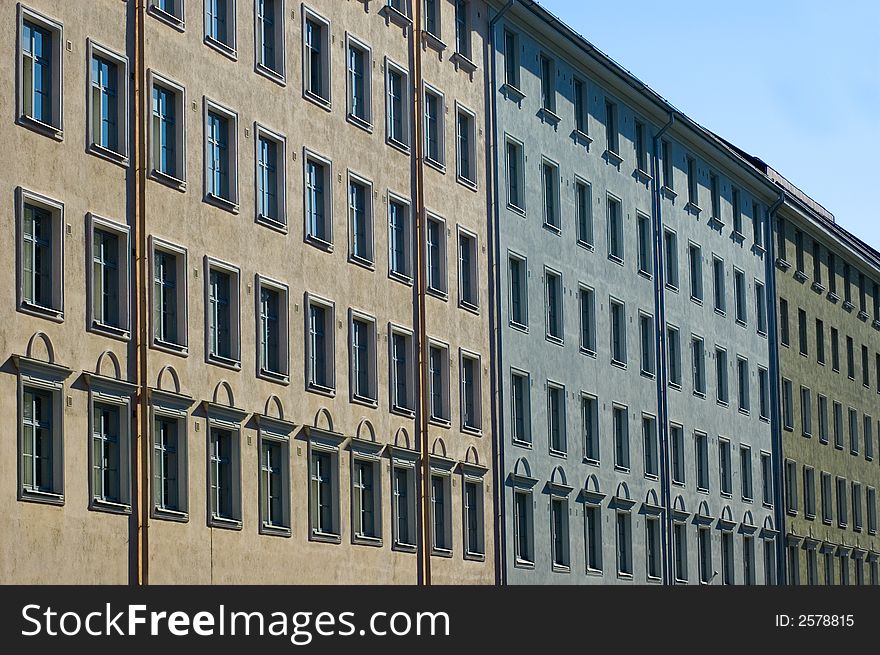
866 371
39 73
270 159
108 102
362 335
692 181
668 165
550 178
817 265
806 412
274 483
110 449
674 355
399 239
652 540
520 407
220 24
587 298
739 292
766 479
736 209
404 509
366 499
871 503
781 241
857 506
646 333
515 176
620 426
169 296
401 382
867 426
556 427
695 260
757 225
698 356
809 492
441 513
41 474
360 216
704 540
432 17
701 442
844 569
618 332
715 193
624 544
835 351
838 425
769 562
670 259
842 508
761 307
41 254
462 29
676 437
318 204
359 79
396 104
316 58
645 262
719 285
580 106
745 468
722 386
823 419
167 140
517 278
787 405
615 230
320 345
853 431
641 150
764 393
548 84
583 192
727 573
435 255
438 382
742 375
273 329
559 532
554 296
832 274
820 341
827 507
593 537
679 547
650 446
590 418
474 537
466 142
793 558
799 254
224 476
109 276
222 294
169 462
524 541
725 467
435 110
221 155
324 494
471 396
170 11
802 332
612 132
847 286
269 38
511 59
468 285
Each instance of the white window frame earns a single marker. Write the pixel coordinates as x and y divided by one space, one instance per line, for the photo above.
319 446
585 237
469 181
367 454
234 273
524 288
549 328
405 461
279 73
405 127
230 203
174 18
477 361
122 233
443 290
330 345
277 433
407 276
228 48
281 375
181 347
172 408
409 408
430 90
615 360
369 260
120 155
524 439
552 223
446 417
55 129
116 394
512 203
470 477
366 121
442 472
647 363
327 165
56 210
470 303
308 15
263 132
587 295
177 181
372 396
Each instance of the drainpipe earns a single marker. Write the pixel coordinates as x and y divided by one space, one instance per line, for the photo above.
421 294
139 569
492 212
660 357
775 394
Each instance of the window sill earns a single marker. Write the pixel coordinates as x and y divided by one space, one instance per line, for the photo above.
700 394
561 454
362 262
668 192
645 274
469 307
224 523
441 552
721 312
782 264
741 323
671 287
320 244
366 540
612 158
397 145
162 514
431 40
109 506
560 568
676 386
559 341
321 390
223 48
110 331
512 93
614 258
518 326
692 208
818 287
549 116
516 209
315 99
40 127
440 294
466 182
863 315
364 400
522 444
42 497
169 19
642 176
588 352
581 137
395 16
404 547
758 249
696 299
168 180
800 276
464 63
848 306
270 74
360 123
324 537
168 347
403 411
738 237
523 564
744 412
475 557
550 227
618 364
400 277
876 323
49 313
221 202
621 469
586 245
440 421
274 530
714 221
833 297
646 374
273 376
271 223
118 158
436 165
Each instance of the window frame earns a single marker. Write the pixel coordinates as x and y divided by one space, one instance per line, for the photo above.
179 178
283 291
475 358
226 48
407 276
445 419
311 157
404 146
278 74
122 233
55 209
471 117
166 406
55 128
181 285
281 223
94 49
278 433
372 397
395 407
472 303
323 101
442 291
329 345
231 203
368 261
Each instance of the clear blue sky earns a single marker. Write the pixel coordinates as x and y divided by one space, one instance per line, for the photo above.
796 83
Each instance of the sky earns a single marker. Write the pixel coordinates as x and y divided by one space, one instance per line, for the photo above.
796 83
